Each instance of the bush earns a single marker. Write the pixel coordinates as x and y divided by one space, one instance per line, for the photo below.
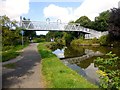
95 40
9 55
104 40
5 48
109 71
37 40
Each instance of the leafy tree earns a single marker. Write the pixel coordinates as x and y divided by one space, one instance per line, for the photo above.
54 34
114 24
84 21
10 37
101 22
6 22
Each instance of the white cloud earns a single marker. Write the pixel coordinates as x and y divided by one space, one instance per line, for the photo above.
14 8
90 8
56 12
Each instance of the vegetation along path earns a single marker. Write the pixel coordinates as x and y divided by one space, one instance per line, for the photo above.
26 72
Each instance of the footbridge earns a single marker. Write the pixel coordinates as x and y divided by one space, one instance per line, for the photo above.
59 26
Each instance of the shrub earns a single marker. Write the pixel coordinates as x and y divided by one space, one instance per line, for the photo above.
104 40
95 40
37 40
109 71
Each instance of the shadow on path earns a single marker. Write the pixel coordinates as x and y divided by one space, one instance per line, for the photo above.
24 69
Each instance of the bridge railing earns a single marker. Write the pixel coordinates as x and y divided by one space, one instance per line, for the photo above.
37 25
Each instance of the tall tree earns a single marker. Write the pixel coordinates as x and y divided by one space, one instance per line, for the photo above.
9 37
84 21
114 23
101 22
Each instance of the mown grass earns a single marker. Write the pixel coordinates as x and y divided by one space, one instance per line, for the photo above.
58 75
12 53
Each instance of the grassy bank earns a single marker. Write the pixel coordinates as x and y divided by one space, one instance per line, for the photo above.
58 75
85 42
12 53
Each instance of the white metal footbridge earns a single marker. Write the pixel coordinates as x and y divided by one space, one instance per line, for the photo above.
58 26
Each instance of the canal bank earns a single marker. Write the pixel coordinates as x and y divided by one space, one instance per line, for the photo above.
58 75
81 59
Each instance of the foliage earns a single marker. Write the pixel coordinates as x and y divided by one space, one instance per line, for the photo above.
109 71
10 37
84 42
68 38
55 45
104 40
37 40
114 24
6 22
84 21
9 52
95 40
57 75
9 55
101 22
30 34
54 34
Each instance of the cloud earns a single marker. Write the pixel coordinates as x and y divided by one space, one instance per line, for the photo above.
56 0
90 8
14 8
55 12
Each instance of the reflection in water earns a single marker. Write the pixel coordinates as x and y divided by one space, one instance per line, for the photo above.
81 59
84 64
59 53
71 52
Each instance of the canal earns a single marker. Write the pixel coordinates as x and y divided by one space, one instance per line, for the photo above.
81 59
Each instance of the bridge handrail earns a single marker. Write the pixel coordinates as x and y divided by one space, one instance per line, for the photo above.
59 26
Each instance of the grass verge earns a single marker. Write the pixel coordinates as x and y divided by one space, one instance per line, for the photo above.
58 75
12 53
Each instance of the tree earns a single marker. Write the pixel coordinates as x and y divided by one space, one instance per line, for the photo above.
54 34
101 22
9 37
114 24
84 21
6 22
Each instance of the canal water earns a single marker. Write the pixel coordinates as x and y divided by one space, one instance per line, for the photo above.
81 59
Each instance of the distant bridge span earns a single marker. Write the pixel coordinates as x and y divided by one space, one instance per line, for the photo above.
58 26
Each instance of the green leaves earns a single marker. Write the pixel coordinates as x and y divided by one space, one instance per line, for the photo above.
109 65
84 21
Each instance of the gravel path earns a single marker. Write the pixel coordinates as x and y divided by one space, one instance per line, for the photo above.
27 70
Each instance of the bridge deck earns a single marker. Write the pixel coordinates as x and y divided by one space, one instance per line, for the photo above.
55 26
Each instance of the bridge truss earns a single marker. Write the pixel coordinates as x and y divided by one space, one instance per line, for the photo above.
58 26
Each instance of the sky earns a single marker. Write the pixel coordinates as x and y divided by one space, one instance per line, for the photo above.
65 10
